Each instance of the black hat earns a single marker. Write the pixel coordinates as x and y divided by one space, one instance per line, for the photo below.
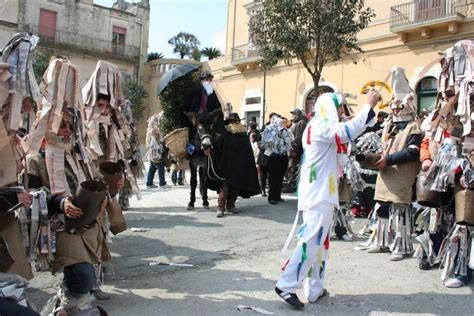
297 112
232 118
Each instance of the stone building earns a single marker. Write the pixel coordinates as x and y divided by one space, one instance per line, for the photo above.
83 31
404 33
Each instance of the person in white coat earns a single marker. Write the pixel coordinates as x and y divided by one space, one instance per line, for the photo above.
318 193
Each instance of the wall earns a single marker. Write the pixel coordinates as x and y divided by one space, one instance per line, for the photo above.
288 86
8 20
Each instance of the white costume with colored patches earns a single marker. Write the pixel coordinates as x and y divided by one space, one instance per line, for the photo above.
318 193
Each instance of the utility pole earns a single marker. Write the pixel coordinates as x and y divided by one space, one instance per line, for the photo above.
264 101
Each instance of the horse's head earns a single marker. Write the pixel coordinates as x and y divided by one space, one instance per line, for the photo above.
206 123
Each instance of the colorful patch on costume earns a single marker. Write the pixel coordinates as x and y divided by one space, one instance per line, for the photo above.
301 231
321 269
338 143
348 133
303 259
308 136
312 173
283 267
319 236
332 185
326 242
319 256
322 111
310 272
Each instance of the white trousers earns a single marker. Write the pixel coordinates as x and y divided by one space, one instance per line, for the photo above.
308 261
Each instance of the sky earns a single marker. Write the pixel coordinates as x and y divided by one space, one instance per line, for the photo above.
204 18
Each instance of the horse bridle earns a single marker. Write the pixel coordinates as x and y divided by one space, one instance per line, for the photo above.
206 141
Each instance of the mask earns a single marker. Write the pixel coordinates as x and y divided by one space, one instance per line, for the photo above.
407 110
208 87
105 120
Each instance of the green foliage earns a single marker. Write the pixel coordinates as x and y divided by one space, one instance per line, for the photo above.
136 93
40 63
184 44
196 54
154 56
173 101
211 52
316 32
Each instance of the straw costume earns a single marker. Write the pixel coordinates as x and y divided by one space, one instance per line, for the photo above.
18 89
401 139
451 149
62 155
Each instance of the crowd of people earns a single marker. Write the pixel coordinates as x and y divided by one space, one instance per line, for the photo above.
424 179
71 159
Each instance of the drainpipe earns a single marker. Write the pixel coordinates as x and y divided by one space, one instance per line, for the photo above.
264 101
141 51
233 31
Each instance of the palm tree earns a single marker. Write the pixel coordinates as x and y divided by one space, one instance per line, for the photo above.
155 56
211 52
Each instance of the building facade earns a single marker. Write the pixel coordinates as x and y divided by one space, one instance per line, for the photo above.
83 31
408 34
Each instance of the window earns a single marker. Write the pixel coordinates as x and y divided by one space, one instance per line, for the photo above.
47 24
118 39
311 98
426 92
253 100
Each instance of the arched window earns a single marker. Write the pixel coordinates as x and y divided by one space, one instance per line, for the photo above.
426 91
311 98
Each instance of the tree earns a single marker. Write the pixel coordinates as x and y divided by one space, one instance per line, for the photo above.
173 101
136 93
184 44
196 54
154 56
211 52
316 32
40 63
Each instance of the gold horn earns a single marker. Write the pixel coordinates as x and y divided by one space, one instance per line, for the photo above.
382 85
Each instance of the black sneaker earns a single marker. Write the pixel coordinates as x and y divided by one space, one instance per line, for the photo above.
272 202
290 298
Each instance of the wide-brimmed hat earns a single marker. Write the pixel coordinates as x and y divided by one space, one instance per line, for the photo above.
232 118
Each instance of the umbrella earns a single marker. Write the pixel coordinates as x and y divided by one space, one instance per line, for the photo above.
173 74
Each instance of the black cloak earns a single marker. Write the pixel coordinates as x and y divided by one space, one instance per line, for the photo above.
233 160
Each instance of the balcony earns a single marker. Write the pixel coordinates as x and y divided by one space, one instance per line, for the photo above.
422 15
83 43
245 57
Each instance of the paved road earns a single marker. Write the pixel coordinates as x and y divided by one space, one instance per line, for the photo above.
236 262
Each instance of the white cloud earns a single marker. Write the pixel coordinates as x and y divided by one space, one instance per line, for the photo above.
218 40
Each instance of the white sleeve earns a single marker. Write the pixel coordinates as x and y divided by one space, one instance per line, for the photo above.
347 131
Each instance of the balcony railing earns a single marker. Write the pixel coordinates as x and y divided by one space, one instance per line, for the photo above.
84 42
425 11
245 53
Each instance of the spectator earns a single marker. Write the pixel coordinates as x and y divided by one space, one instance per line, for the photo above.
276 143
155 153
297 129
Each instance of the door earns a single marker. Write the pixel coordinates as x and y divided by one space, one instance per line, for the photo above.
47 24
429 9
